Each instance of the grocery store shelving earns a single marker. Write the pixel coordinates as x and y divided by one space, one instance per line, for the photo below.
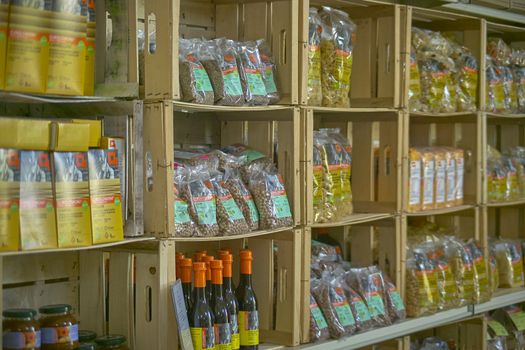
356 218
186 107
506 203
486 12
504 116
442 210
252 234
502 298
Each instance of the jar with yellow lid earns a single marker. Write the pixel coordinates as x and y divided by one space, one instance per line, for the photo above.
59 327
112 342
20 330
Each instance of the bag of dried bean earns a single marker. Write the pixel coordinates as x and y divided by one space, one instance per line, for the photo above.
195 84
360 311
242 196
251 69
318 326
184 225
269 70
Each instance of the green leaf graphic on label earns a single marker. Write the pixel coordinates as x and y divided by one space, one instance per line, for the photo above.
49 206
2 36
85 205
43 41
117 201
14 207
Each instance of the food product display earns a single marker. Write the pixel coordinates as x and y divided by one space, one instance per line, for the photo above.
506 325
505 174
20 330
59 327
430 343
318 326
509 258
447 74
436 176
315 28
248 306
223 336
195 84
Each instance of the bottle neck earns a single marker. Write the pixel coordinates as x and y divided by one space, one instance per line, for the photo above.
228 284
200 294
217 291
246 280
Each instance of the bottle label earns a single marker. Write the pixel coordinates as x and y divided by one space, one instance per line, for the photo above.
223 336
55 335
21 340
249 328
203 338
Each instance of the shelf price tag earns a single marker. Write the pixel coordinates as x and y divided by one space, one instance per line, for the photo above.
182 316
497 328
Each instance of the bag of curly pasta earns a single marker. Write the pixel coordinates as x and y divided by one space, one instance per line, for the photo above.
495 90
482 290
318 183
494 271
344 205
467 77
421 284
518 70
331 164
414 87
462 265
509 87
251 73
437 83
512 191
195 84
313 87
336 57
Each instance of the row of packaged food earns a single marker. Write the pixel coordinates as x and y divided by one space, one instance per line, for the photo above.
331 42
436 177
345 300
228 193
226 72
505 174
505 328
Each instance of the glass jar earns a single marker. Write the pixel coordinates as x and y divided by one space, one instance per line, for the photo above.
86 336
112 342
87 346
20 329
59 327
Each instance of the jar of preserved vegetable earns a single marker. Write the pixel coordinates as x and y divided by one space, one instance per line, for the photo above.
86 336
59 327
20 329
111 342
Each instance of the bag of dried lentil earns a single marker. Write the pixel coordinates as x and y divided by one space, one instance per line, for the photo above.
195 84
242 196
314 90
269 193
251 73
318 326
394 303
360 311
368 282
482 290
269 69
218 58
184 225
462 265
247 156
198 192
336 57
334 305
421 284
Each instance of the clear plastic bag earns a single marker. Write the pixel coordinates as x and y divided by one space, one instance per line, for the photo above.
269 193
414 87
331 164
510 263
467 78
324 252
242 196
318 326
482 290
463 266
438 91
198 192
184 225
335 308
269 69
360 311
434 343
318 185
314 90
497 343
195 84
495 89
421 284
509 88
518 70
336 57
218 58
368 282
250 67
499 51
494 271
394 303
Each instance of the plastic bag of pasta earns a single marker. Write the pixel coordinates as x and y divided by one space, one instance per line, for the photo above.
334 305
251 73
512 188
510 263
184 225
518 70
343 149
421 284
495 90
438 91
433 343
331 164
494 271
267 188
499 51
336 57
318 326
195 84
414 87
318 184
218 58
198 192
518 161
462 265
509 87
314 91
467 78
358 306
269 70
368 282
482 291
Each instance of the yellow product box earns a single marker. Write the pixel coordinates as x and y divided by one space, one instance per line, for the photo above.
89 69
4 24
119 144
106 201
38 228
70 137
72 199
67 59
95 130
27 57
9 199
29 134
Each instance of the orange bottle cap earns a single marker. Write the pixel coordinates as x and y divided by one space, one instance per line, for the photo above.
185 266
178 257
207 259
198 256
216 271
222 252
227 262
246 261
199 271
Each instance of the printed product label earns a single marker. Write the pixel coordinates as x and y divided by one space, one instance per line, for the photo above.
203 338
375 305
223 336
517 267
361 309
68 334
428 183
397 300
234 326
202 81
249 328
281 205
67 58
427 285
481 271
342 69
345 181
234 213
252 155
318 184
21 340
460 168
344 314
206 210
318 316
518 318
415 182
335 175
255 82
451 180
497 328
232 82
181 212
314 67
440 180
269 81
415 87
468 281
253 209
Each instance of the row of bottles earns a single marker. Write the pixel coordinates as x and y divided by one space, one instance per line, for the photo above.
220 316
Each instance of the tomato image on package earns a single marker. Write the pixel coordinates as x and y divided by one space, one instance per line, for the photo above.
37 205
9 199
106 200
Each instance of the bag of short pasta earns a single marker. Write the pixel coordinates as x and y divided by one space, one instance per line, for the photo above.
414 87
251 73
494 271
269 72
313 87
195 84
495 89
510 263
437 82
421 284
331 165
462 265
184 225
467 77
318 185
336 56
198 192
518 70
509 88
482 290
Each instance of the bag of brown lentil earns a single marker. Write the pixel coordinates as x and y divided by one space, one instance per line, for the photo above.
184 225
394 302
251 73
360 311
269 69
318 326
195 84
242 196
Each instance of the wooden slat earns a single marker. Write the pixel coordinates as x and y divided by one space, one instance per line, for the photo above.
41 267
362 160
121 296
92 284
40 294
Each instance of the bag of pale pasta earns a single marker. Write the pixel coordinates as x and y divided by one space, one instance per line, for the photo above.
518 70
438 91
414 87
467 77
510 263
331 164
463 267
495 90
482 288
509 87
314 92
336 57
494 272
